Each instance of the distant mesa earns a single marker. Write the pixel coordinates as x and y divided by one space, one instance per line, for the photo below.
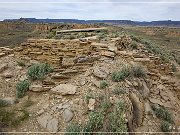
114 22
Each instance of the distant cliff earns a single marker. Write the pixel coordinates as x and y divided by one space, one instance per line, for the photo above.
117 22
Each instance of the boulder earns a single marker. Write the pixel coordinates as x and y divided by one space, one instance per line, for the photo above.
52 125
64 89
68 115
48 122
138 109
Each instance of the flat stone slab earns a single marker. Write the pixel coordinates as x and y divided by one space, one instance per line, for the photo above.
64 89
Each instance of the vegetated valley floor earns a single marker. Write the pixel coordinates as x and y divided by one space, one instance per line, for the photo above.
123 79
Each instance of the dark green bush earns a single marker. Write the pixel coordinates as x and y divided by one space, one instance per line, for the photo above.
122 74
75 128
21 88
38 71
138 71
166 126
3 103
103 84
164 114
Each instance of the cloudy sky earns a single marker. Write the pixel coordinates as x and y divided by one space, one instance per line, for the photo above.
138 10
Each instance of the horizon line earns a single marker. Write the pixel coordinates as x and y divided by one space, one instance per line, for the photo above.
99 2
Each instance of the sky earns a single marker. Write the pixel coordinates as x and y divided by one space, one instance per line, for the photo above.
136 10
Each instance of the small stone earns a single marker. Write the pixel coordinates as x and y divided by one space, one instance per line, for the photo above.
155 101
3 67
91 104
113 100
10 100
7 75
101 72
64 89
2 54
147 107
40 112
36 88
68 115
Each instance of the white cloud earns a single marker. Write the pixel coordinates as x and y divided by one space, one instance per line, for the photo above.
92 10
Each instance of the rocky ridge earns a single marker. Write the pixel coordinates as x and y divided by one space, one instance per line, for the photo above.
79 68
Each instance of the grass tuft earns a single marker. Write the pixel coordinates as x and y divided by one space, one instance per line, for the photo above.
122 74
21 88
119 90
75 128
38 71
103 84
164 114
3 103
138 71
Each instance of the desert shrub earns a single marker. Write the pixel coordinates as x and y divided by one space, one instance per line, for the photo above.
133 45
12 117
138 71
21 88
117 120
38 71
105 106
166 126
156 49
73 129
3 103
95 122
164 114
103 84
100 96
122 74
135 38
119 90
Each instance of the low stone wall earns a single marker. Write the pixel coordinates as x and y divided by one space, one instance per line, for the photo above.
53 51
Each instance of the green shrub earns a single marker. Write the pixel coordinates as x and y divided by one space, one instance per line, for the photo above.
166 126
164 114
119 90
133 45
12 117
95 121
21 88
38 71
122 74
3 103
138 71
103 84
75 128
105 106
135 38
100 96
117 120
